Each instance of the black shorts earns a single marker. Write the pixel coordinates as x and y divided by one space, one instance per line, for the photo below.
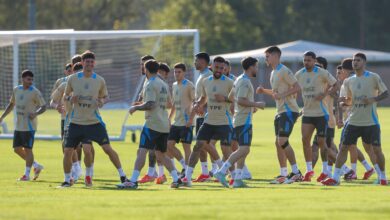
153 140
199 122
320 123
62 128
23 139
181 133
369 134
85 134
284 123
222 133
243 135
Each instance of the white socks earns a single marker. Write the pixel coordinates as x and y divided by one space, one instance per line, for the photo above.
67 177
353 167
120 172
189 172
238 175
330 168
161 171
283 171
35 164
309 166
183 163
225 167
337 174
151 171
134 177
366 165
88 171
174 175
205 169
27 171
325 167
294 168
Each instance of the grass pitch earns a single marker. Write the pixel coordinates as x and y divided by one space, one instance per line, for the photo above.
41 200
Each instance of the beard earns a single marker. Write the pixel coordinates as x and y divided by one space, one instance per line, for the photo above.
217 76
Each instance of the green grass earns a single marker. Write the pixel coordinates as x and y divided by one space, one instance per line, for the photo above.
41 200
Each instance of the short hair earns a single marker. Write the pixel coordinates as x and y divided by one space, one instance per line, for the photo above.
26 73
76 58
164 67
87 55
227 62
203 56
274 49
361 55
339 67
146 58
180 66
68 66
218 59
77 67
310 54
248 62
347 64
152 66
323 61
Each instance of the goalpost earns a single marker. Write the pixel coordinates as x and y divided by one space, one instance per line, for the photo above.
118 54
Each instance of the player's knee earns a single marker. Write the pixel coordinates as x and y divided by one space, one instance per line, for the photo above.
245 150
283 144
198 146
344 148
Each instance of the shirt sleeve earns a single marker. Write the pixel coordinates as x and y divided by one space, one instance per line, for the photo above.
329 78
39 100
103 93
289 77
191 91
242 90
68 88
202 90
347 92
380 85
149 94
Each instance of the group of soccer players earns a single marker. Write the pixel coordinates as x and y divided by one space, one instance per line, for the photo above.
221 106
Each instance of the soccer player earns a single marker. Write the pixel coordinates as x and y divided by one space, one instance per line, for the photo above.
243 98
331 149
218 124
284 89
355 153
227 71
155 131
67 72
363 91
163 71
29 104
183 96
151 175
316 83
87 92
64 109
202 61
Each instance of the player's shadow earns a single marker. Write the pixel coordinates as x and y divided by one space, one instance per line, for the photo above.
114 188
105 180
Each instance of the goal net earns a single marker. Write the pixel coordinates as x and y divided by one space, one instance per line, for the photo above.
117 60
